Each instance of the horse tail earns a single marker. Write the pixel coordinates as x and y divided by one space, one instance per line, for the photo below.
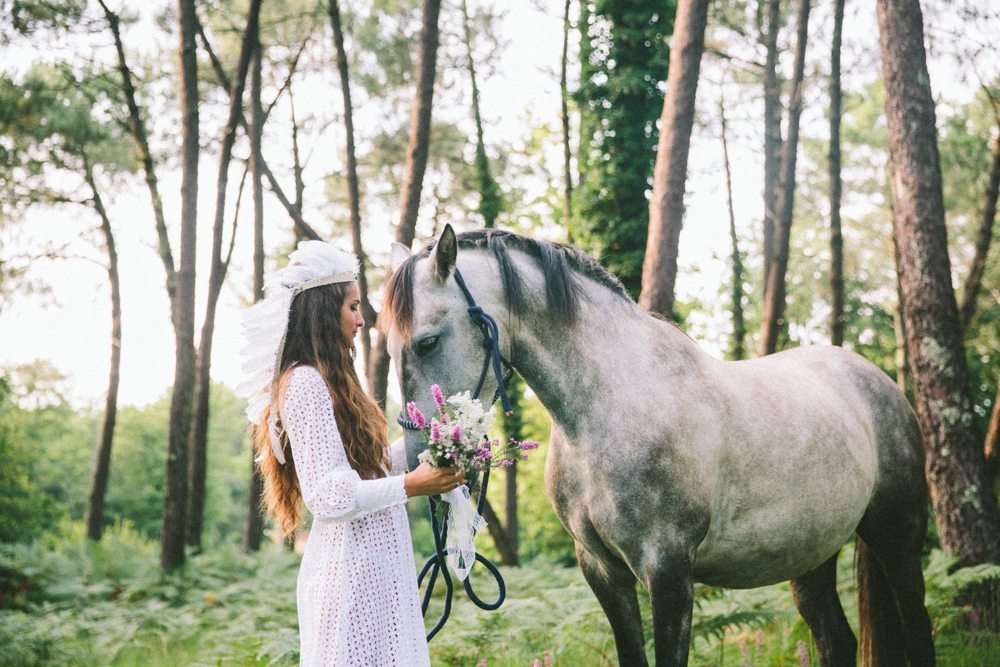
882 635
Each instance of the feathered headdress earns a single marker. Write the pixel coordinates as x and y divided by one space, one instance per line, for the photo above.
265 324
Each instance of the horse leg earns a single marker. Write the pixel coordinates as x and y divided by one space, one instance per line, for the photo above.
816 597
671 595
614 585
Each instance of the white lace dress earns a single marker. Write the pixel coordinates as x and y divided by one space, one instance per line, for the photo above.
357 595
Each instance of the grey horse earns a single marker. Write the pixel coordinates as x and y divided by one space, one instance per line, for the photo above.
668 466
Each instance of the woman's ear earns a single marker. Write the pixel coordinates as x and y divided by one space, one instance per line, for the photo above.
443 255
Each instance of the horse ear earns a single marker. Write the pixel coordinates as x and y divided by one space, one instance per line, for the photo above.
400 253
444 253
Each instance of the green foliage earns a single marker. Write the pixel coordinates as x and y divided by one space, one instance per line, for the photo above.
624 56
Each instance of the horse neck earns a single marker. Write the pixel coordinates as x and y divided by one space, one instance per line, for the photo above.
613 354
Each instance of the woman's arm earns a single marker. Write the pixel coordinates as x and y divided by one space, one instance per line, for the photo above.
331 489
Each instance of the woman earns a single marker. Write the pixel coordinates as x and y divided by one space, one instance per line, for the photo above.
322 440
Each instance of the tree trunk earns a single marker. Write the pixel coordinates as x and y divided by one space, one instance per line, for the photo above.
353 188
498 533
101 469
564 109
967 306
836 238
666 207
736 348
253 528
513 427
300 184
175 498
416 165
965 510
490 200
217 276
772 133
992 442
774 296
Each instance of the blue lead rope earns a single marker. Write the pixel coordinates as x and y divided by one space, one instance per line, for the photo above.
437 563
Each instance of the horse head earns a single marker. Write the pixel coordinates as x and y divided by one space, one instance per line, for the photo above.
431 336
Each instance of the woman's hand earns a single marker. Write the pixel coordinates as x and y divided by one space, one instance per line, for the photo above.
429 481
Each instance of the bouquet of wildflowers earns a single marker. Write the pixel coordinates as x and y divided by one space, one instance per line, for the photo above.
457 436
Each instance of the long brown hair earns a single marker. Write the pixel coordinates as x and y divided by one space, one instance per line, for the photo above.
315 339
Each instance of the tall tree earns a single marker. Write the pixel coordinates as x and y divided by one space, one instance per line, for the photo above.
101 469
623 57
774 294
772 131
974 278
666 207
353 189
217 275
836 238
253 527
564 116
490 198
737 349
416 165
965 510
175 497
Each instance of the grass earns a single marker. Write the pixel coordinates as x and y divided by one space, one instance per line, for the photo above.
64 601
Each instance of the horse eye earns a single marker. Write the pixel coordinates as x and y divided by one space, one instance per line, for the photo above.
426 345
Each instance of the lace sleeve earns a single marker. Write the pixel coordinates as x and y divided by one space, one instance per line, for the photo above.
331 489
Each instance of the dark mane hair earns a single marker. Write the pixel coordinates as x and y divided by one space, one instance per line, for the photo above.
560 263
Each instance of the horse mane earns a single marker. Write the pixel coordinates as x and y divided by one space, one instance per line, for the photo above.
561 264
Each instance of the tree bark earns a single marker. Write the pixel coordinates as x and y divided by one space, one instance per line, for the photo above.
137 128
101 469
564 114
974 278
353 187
198 444
965 510
772 133
774 295
666 207
836 238
175 497
736 348
420 123
416 165
253 528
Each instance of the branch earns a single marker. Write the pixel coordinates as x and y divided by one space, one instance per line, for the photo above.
138 131
265 171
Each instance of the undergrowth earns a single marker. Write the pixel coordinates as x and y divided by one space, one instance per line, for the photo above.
66 601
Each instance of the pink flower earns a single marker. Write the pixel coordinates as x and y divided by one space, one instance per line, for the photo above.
527 444
456 434
435 431
438 396
416 415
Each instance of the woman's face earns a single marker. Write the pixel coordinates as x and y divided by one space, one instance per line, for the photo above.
350 312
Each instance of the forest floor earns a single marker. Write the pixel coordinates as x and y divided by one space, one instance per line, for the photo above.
67 602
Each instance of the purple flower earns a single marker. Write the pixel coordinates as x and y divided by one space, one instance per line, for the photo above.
435 431
456 434
438 396
527 444
416 415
